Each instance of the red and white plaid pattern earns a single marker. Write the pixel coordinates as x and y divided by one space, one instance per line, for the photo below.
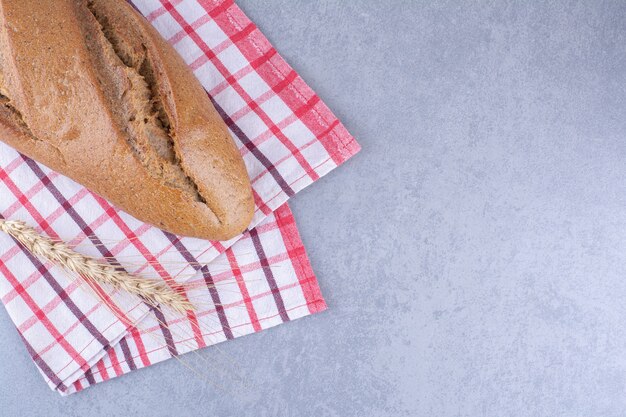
288 139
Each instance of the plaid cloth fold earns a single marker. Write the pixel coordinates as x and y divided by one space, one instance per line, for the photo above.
288 139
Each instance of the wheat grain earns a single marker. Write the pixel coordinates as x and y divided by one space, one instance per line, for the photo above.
153 292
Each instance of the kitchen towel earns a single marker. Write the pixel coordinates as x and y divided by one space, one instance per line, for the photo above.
288 139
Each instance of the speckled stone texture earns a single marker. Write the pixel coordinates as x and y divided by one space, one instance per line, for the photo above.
473 254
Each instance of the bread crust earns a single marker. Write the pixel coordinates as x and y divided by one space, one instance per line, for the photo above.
90 89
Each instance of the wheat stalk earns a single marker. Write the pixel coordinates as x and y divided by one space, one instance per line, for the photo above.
153 292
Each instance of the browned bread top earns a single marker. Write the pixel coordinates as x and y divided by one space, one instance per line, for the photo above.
90 89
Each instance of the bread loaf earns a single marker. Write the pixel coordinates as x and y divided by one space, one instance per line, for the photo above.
90 89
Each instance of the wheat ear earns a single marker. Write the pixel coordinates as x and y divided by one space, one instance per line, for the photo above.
153 292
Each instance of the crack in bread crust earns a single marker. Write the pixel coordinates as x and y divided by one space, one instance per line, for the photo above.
128 79
11 117
14 116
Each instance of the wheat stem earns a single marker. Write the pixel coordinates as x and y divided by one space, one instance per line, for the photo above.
153 292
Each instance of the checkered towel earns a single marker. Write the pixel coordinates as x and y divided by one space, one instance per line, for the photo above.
288 139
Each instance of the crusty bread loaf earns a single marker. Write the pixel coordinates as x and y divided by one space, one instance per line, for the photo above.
90 89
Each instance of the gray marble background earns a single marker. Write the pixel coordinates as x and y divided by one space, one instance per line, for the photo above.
473 255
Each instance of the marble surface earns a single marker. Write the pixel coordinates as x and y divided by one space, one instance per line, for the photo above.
473 254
